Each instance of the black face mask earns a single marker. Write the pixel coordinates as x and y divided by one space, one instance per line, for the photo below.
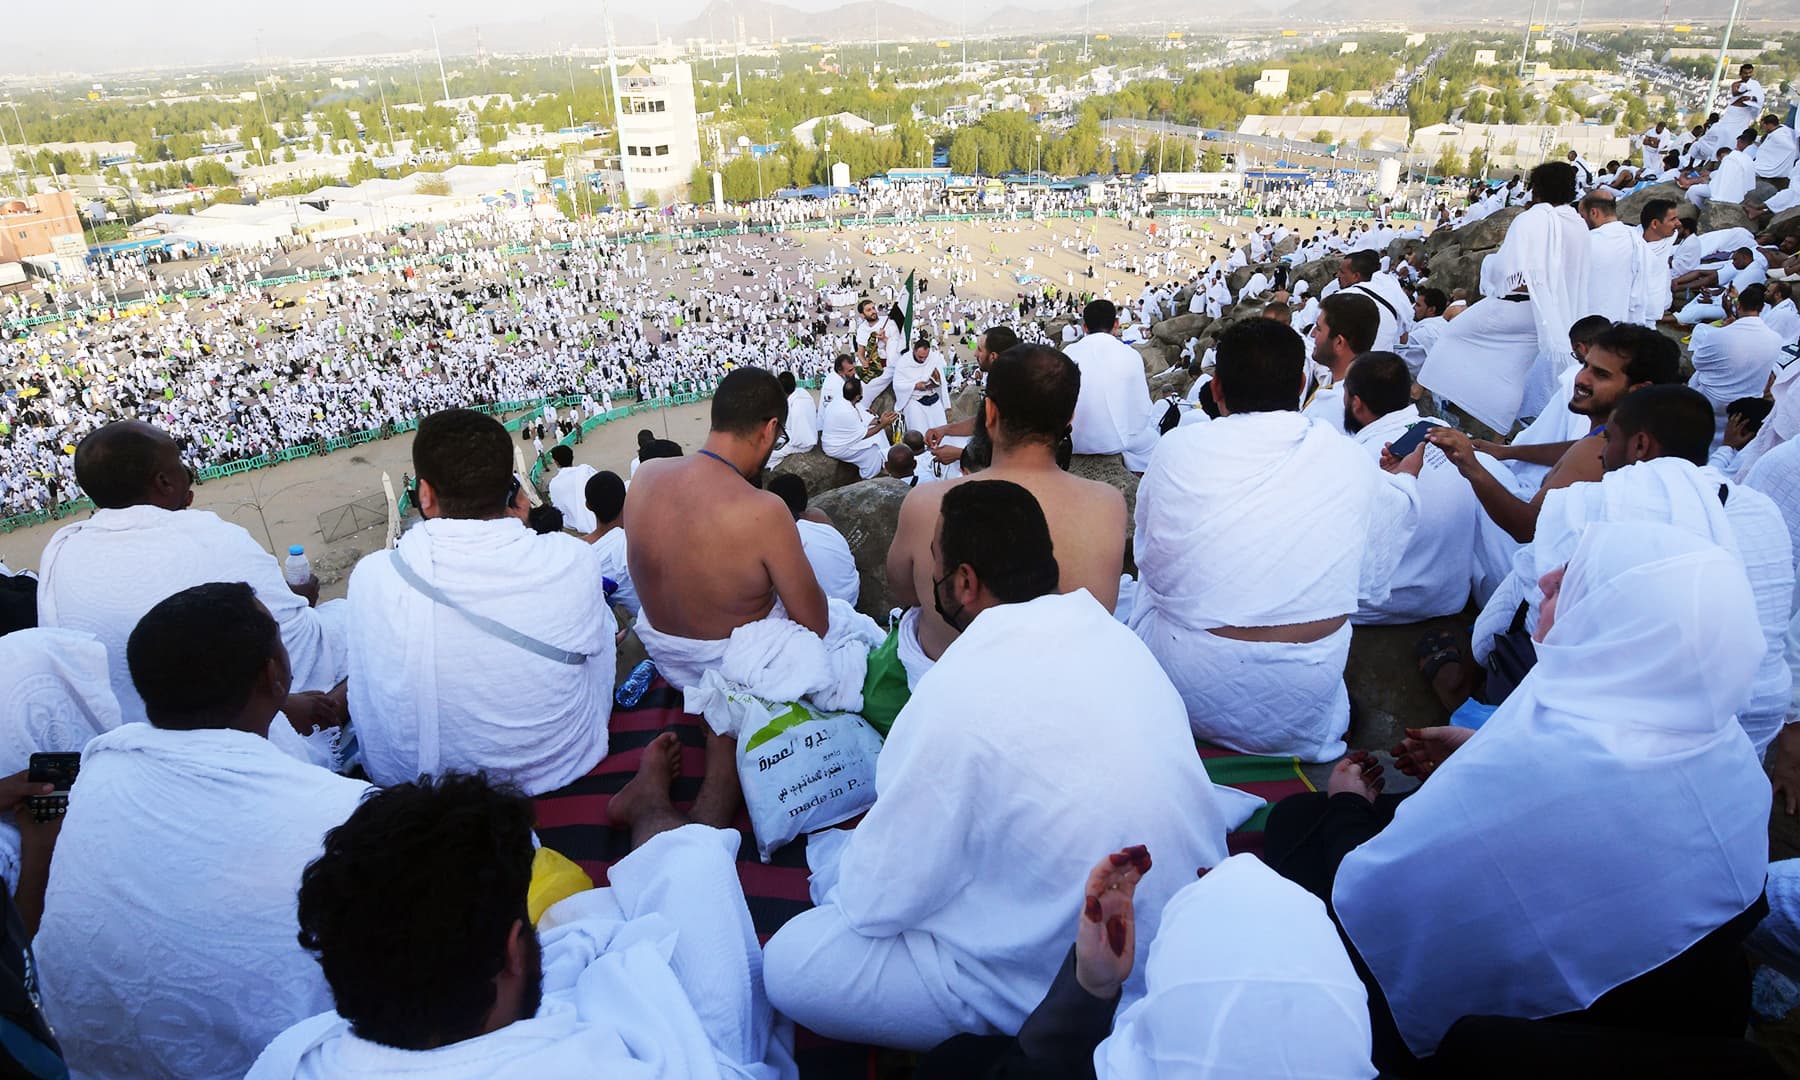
937 603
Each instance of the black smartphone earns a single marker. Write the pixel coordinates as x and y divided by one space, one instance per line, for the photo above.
56 769
1410 441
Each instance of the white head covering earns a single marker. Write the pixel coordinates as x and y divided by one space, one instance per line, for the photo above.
1247 978
1609 816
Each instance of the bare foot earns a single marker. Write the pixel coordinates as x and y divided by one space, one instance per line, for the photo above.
643 805
721 796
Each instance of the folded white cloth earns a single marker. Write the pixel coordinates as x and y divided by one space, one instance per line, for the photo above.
912 655
775 658
168 946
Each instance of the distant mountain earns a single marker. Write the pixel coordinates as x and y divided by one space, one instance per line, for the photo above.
859 19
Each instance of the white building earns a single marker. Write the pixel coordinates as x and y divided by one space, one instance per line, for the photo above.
847 123
1274 83
1484 57
659 132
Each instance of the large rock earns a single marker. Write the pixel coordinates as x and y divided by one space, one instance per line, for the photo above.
1716 215
1486 234
1631 207
1287 245
1240 277
819 471
884 402
1315 273
1176 380
867 513
1451 270
1155 361
1785 224
1387 695
1176 331
964 403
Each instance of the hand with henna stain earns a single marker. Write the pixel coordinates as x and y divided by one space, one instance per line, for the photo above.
1106 932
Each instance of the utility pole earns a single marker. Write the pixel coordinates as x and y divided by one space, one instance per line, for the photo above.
1525 49
440 59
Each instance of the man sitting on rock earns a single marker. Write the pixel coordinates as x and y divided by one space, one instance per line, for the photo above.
1031 395
849 434
1114 414
709 551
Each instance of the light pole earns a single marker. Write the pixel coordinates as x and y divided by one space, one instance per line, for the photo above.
1712 94
25 146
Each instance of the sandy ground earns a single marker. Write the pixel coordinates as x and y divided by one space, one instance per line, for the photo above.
283 505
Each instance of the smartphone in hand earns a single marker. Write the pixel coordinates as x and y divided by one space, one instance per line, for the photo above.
58 770
1408 442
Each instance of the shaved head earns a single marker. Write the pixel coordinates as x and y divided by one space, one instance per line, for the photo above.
131 463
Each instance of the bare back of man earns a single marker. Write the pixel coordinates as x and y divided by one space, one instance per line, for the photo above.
710 553
1087 530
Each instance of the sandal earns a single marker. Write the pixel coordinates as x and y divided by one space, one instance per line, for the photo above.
1435 650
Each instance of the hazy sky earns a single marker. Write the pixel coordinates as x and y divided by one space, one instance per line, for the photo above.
116 34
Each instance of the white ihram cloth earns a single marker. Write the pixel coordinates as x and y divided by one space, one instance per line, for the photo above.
568 493
1615 270
612 551
908 372
1437 565
1228 520
168 946
1775 154
912 654
1653 294
54 698
1420 341
1669 491
431 693
1784 319
948 909
1732 362
1783 422
1113 412
1777 475
774 658
845 436
832 563
104 574
1488 896
1486 355
1247 980
1392 305
802 423
656 977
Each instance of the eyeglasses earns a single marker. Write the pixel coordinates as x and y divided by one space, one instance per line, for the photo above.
781 438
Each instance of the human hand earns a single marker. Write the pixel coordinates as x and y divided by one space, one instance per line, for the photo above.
1424 749
1737 431
1498 450
15 789
1106 933
946 455
1356 774
314 709
933 437
308 592
1459 448
1410 464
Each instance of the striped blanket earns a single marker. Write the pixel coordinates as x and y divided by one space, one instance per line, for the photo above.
573 821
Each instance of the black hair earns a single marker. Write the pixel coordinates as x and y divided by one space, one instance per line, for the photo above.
1034 388
843 360
1381 380
1650 357
116 464
645 437
1434 299
562 455
1365 263
410 907
1754 410
997 529
1353 317
852 388
1587 329
787 381
605 496
1679 418
1100 316
544 519
1752 298
747 398
660 448
1258 365
467 459
998 339
196 656
792 491
1553 182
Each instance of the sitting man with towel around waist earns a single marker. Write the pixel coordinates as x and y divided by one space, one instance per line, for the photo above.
477 644
947 909
709 551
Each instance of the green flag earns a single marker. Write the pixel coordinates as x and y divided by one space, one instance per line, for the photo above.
908 328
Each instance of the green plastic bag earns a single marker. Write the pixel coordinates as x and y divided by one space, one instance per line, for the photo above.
885 691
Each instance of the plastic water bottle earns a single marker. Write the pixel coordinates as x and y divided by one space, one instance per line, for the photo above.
631 691
296 568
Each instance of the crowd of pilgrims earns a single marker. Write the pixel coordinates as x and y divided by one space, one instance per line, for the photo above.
1565 871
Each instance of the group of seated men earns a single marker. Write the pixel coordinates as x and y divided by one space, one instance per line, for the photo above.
221 902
